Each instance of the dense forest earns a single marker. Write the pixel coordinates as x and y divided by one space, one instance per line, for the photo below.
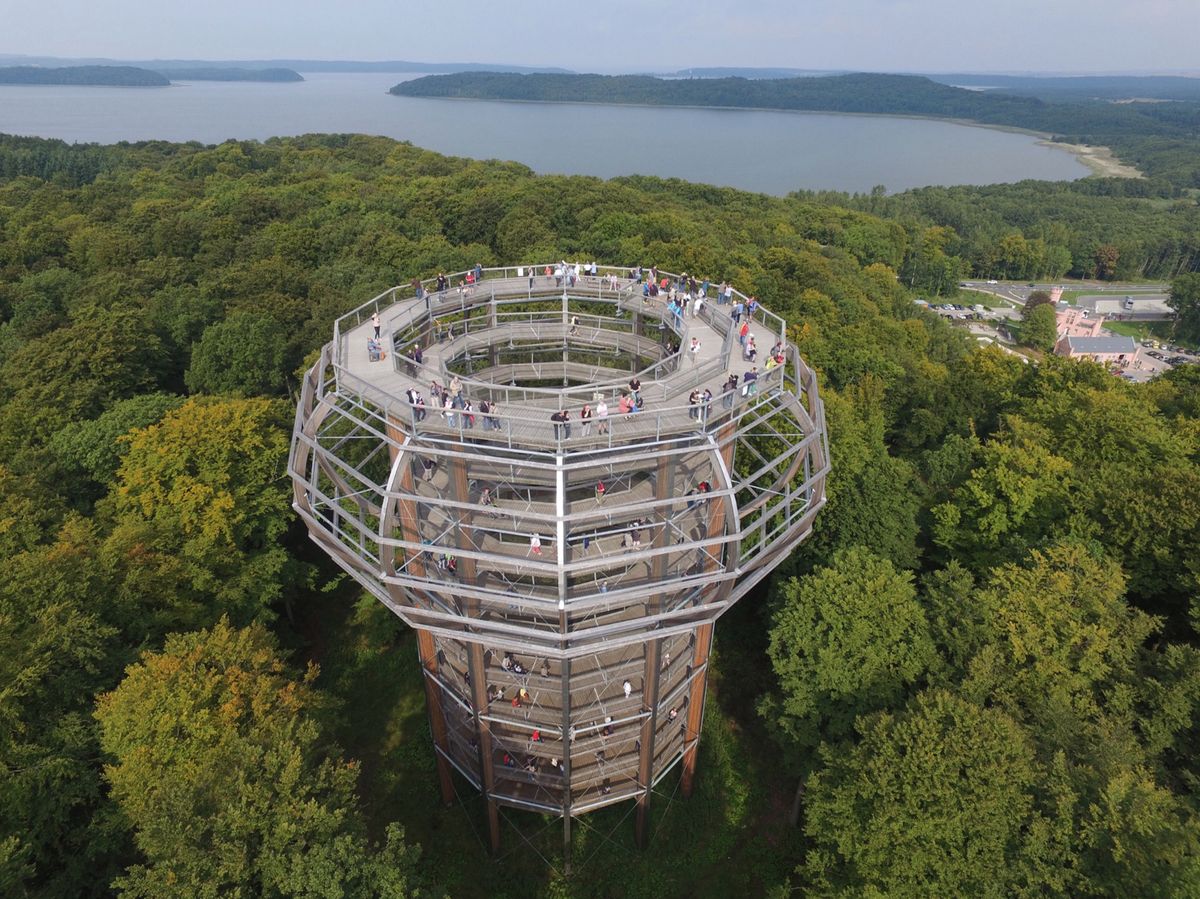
979 677
113 76
1110 229
1161 139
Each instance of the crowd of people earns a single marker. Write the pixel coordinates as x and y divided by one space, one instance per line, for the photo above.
685 295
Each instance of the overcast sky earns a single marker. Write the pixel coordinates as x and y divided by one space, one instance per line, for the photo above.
630 35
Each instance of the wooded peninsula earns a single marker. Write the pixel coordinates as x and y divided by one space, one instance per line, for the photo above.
1160 139
133 76
113 76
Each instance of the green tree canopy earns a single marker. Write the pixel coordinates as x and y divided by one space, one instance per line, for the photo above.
1015 497
1036 298
1060 639
200 498
56 651
1039 328
846 640
936 801
1185 300
871 492
244 354
231 787
96 447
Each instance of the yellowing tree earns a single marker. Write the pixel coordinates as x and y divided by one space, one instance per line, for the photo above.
203 494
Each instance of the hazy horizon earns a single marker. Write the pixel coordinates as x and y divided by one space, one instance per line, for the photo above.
9 57
1069 37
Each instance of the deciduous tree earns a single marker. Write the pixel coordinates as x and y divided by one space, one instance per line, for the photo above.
939 800
231 787
1039 328
846 640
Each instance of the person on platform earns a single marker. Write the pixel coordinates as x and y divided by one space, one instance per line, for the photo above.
750 382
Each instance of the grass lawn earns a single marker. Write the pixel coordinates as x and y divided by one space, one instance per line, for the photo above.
731 838
1072 295
1141 330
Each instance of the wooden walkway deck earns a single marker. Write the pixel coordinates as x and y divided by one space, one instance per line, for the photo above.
665 386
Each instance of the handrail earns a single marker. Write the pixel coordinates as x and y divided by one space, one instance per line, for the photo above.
501 287
398 293
519 431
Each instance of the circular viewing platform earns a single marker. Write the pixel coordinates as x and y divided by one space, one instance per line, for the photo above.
563 576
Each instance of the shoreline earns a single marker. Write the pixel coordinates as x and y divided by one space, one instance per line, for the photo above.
1099 160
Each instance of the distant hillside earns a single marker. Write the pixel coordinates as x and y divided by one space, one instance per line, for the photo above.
861 93
752 72
112 76
298 65
1082 87
217 73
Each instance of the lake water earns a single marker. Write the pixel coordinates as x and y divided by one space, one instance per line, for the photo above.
772 152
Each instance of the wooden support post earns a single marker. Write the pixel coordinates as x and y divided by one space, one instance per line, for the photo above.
649 730
567 730
714 528
407 515
437 717
487 761
396 436
695 713
664 488
492 320
476 664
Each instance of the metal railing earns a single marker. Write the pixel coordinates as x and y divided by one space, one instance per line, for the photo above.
513 286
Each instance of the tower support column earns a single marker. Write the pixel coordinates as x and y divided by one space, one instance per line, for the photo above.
718 557
664 489
459 485
407 515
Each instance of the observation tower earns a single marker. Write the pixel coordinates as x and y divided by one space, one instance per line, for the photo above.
563 580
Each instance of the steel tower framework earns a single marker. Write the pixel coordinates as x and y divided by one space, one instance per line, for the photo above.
563 582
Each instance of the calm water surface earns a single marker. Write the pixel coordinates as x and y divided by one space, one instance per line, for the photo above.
773 152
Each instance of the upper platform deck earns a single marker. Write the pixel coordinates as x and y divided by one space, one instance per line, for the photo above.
533 345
